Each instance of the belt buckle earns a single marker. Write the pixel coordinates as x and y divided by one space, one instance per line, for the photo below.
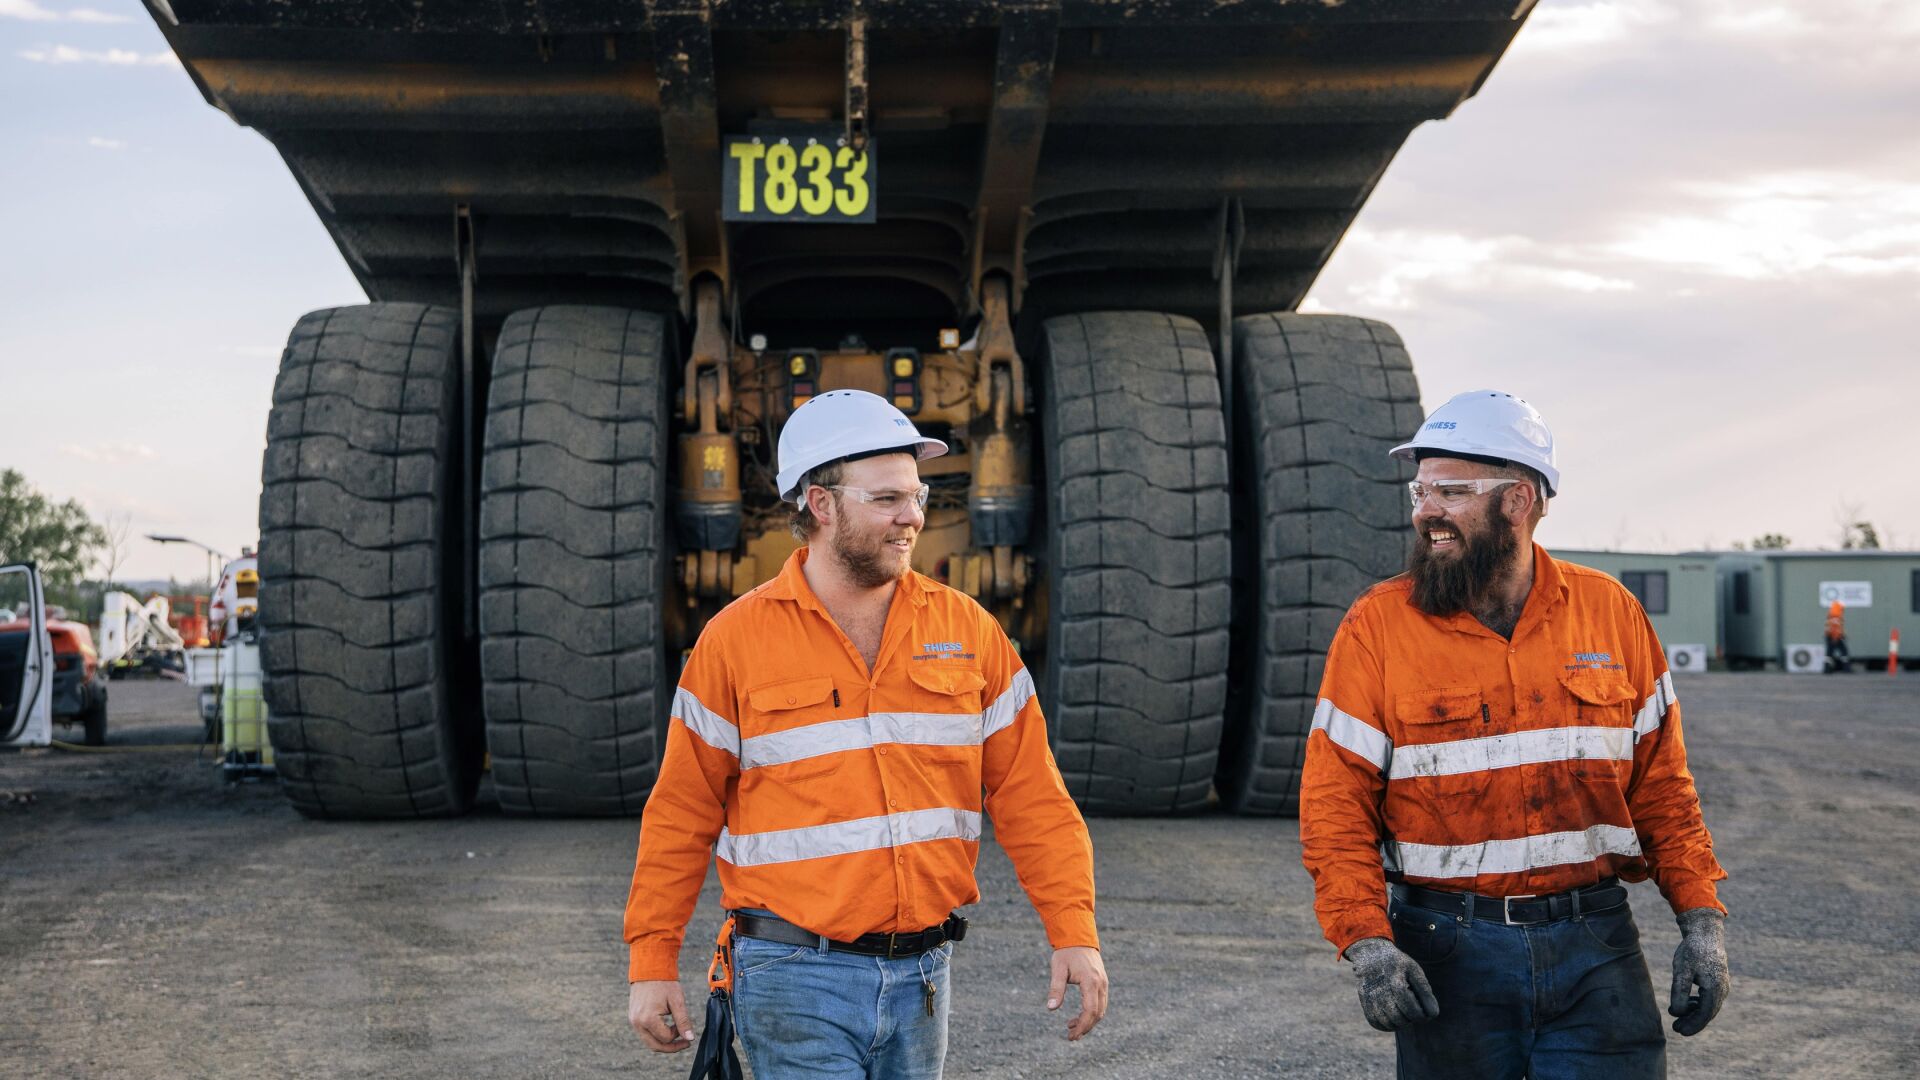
1506 908
893 942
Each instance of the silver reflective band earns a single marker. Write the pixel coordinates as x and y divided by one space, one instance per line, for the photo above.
859 733
1000 715
1516 856
1648 718
1353 734
1505 751
708 726
847 837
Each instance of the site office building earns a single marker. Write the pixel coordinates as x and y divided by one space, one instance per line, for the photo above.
1775 599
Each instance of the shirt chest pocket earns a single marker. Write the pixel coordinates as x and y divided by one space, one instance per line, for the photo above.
787 726
946 701
1438 749
1602 700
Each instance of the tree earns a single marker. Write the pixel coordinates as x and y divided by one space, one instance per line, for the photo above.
114 547
59 536
1771 542
1861 535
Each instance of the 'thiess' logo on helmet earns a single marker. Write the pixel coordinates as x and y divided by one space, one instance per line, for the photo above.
1441 425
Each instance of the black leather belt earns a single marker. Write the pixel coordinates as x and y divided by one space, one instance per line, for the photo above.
891 946
1517 910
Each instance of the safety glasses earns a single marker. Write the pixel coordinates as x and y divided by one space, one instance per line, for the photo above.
887 500
1453 494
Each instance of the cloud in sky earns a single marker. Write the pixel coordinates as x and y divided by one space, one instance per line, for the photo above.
101 143
109 453
67 54
31 11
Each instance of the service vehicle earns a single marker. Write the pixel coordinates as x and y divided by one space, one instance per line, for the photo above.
609 248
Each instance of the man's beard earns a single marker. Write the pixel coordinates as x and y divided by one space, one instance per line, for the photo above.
1448 586
868 561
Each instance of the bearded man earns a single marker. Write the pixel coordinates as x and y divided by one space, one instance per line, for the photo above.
1495 750
831 739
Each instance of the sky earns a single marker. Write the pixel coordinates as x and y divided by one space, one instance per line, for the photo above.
1687 230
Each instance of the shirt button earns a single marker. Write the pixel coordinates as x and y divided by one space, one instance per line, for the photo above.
902 860
791 699
893 803
883 751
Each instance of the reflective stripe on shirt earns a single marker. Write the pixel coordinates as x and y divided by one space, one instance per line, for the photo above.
860 733
1517 855
1354 734
1505 751
847 837
709 726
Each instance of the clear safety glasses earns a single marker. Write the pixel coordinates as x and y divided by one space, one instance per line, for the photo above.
1453 494
889 500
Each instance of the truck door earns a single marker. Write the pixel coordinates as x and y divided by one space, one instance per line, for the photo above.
26 660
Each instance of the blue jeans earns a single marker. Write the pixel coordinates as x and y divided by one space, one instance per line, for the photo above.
1565 1000
806 1012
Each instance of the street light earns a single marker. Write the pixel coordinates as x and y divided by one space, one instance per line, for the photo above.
212 553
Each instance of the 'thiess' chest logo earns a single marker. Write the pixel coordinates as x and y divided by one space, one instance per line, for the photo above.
1594 660
944 650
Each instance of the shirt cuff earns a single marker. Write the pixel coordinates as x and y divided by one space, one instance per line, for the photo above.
1696 893
1072 929
653 961
1370 924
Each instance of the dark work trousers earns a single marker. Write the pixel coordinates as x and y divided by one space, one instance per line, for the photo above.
1564 1000
1838 659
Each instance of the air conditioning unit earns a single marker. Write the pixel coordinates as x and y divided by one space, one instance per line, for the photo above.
1687 659
1805 659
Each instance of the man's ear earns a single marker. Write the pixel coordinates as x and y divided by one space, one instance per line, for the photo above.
819 504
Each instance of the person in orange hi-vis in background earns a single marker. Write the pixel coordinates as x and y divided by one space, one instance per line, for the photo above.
1838 658
1496 748
831 739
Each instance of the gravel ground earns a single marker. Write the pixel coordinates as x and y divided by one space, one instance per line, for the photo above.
157 922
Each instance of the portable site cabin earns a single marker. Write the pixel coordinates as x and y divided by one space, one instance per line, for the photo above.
1775 604
1678 592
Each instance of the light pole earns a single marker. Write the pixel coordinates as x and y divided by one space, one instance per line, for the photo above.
212 553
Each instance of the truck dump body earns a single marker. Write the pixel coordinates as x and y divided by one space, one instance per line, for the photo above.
1083 147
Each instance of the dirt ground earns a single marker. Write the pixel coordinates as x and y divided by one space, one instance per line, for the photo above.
155 922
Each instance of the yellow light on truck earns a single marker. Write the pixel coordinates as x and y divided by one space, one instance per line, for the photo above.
903 367
797 365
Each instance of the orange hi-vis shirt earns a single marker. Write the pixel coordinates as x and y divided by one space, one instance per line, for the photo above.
1836 621
1447 756
846 801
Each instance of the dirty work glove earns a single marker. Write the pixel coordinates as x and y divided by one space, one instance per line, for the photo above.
1393 990
1701 960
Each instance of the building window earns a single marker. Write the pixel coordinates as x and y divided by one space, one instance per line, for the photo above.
1916 592
1650 587
1743 591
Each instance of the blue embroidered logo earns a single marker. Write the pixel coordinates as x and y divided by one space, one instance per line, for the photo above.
1593 660
944 650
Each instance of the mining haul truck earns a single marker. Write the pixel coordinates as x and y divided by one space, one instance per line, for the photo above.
610 247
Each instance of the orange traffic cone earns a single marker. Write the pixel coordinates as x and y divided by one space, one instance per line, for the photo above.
1893 650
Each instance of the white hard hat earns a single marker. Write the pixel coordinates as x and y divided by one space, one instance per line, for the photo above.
1490 426
844 423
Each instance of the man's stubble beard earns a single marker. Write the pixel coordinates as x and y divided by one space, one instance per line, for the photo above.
870 565
1448 586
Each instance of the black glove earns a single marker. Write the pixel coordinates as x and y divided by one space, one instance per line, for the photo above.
1701 960
1393 990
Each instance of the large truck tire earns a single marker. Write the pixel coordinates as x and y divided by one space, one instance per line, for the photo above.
572 564
359 535
1137 559
1318 402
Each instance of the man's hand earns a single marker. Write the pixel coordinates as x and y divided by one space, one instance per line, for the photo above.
1701 960
649 1005
1393 990
1081 966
